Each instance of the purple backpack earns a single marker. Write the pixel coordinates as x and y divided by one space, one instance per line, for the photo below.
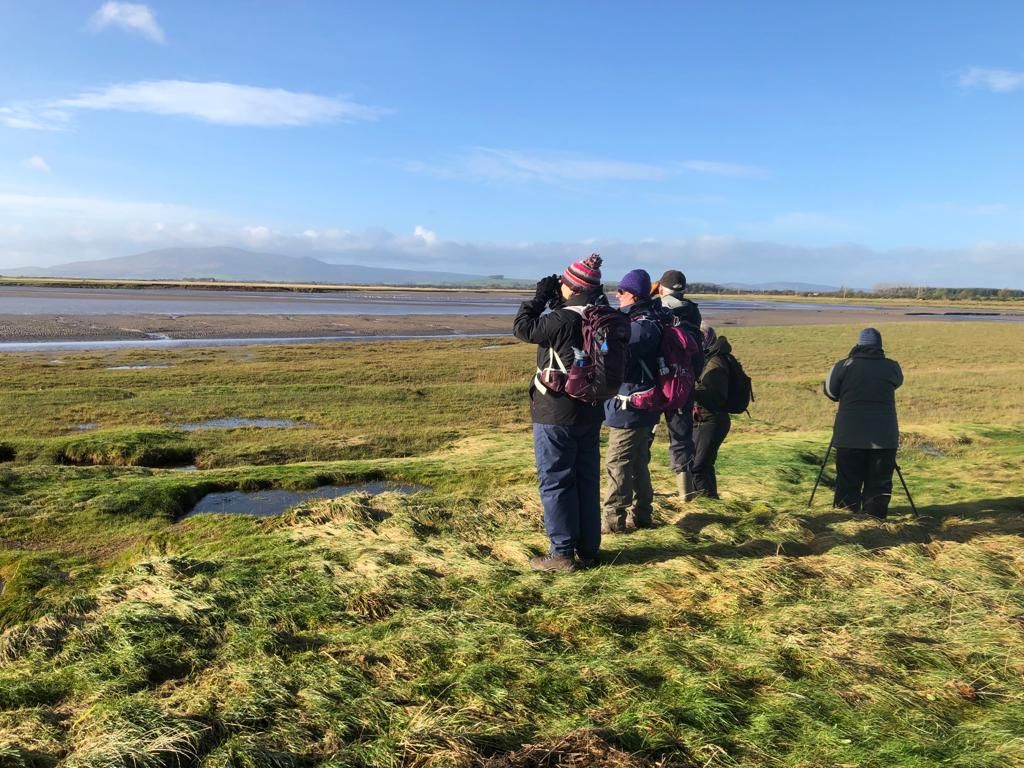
598 375
675 378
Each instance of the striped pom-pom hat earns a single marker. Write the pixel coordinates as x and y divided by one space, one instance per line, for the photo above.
583 276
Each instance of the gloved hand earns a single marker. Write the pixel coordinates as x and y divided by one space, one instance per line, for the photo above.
547 288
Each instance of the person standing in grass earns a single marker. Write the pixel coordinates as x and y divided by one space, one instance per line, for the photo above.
566 431
866 432
711 423
680 421
628 502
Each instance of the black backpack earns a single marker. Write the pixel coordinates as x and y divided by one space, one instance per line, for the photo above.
741 390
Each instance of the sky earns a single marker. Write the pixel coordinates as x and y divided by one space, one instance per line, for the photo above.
845 143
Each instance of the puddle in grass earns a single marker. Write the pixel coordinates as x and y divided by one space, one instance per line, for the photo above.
234 423
274 502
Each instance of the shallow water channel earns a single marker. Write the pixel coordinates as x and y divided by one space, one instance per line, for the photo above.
273 502
237 423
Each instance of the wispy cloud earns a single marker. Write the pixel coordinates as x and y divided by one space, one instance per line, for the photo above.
995 80
723 169
220 103
224 103
554 167
564 168
34 117
133 17
36 163
962 209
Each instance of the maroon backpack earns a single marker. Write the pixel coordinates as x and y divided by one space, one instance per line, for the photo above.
675 377
597 374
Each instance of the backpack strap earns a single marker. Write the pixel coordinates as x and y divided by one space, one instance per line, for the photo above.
647 371
553 358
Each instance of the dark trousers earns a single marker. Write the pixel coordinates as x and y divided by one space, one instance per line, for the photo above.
708 435
569 474
864 479
680 438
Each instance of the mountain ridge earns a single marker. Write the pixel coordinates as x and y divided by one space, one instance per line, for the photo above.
238 264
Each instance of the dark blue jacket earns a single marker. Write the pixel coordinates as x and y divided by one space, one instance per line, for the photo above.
644 346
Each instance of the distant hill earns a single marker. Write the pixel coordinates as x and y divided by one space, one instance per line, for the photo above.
236 264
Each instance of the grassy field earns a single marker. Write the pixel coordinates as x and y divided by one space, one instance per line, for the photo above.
407 630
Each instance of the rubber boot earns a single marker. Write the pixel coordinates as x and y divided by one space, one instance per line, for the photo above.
684 480
686 490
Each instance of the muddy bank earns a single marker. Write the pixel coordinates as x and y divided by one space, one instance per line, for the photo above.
141 327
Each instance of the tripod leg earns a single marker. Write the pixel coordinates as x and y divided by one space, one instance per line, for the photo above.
906 490
821 472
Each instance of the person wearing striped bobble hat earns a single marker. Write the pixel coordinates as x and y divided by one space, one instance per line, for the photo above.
566 431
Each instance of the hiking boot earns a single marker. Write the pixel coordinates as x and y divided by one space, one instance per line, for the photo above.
584 563
615 526
553 562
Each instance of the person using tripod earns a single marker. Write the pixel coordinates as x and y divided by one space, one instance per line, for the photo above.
866 432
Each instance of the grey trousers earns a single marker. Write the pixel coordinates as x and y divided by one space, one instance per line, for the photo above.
630 494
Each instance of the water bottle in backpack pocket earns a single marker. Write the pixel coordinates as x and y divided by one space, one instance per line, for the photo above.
674 382
597 374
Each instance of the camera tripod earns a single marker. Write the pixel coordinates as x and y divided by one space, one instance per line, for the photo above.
821 472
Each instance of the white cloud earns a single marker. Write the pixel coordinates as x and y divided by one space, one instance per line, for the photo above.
36 163
133 17
223 103
723 169
995 80
427 236
258 233
220 103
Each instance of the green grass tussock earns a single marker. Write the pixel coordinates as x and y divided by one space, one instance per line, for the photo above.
407 630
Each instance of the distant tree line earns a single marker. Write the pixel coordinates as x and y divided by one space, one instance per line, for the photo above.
886 292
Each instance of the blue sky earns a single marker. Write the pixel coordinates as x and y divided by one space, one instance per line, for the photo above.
844 143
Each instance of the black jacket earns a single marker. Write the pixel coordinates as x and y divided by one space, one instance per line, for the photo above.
559 330
864 385
712 392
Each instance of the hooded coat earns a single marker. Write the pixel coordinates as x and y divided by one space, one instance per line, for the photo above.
686 311
712 391
864 384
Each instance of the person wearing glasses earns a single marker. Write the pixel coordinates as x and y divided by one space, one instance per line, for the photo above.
628 502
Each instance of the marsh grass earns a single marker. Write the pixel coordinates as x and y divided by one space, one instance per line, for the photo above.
398 630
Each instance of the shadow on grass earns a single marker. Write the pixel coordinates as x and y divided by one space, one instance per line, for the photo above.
959 522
